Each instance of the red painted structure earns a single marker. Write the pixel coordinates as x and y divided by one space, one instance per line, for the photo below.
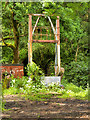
15 69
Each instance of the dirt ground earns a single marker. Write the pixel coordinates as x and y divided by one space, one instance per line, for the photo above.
52 108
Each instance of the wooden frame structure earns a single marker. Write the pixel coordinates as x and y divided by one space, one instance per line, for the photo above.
57 40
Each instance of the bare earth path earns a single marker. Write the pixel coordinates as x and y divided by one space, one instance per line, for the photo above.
52 108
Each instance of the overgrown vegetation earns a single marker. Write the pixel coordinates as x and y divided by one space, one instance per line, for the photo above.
35 74
73 49
33 93
78 73
35 89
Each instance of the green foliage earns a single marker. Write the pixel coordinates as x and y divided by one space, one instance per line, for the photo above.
46 92
35 73
6 78
72 91
11 91
72 21
45 53
38 97
54 87
50 69
73 35
19 82
23 49
2 107
5 83
77 73
7 58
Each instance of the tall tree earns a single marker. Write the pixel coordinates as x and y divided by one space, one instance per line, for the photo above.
10 28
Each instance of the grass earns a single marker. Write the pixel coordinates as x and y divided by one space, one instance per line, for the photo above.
83 95
24 87
11 91
38 97
70 91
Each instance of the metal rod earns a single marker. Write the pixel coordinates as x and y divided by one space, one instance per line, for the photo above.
52 25
35 25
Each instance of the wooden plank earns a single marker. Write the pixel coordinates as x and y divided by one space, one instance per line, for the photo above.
46 41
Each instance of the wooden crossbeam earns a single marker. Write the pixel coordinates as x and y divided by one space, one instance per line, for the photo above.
37 14
46 41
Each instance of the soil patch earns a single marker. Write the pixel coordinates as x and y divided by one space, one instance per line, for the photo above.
54 108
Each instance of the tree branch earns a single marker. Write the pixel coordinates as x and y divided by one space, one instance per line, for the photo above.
8 45
6 38
10 37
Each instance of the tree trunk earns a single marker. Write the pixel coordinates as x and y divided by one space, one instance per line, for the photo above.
14 47
16 39
16 56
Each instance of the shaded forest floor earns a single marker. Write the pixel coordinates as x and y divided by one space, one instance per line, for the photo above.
18 107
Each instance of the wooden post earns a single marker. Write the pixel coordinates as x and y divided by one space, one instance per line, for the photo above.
57 48
30 40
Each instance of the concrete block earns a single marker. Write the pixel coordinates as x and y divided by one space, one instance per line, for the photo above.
51 79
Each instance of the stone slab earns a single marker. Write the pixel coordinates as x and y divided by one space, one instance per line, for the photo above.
51 79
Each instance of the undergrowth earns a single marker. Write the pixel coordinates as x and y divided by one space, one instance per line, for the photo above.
33 88
46 92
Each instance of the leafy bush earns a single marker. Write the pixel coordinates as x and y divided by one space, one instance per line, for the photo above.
6 58
77 73
35 73
11 91
6 78
19 82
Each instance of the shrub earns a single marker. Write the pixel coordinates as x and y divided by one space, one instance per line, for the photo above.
35 73
77 73
19 82
6 78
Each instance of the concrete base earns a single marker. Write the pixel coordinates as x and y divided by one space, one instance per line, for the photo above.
51 79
